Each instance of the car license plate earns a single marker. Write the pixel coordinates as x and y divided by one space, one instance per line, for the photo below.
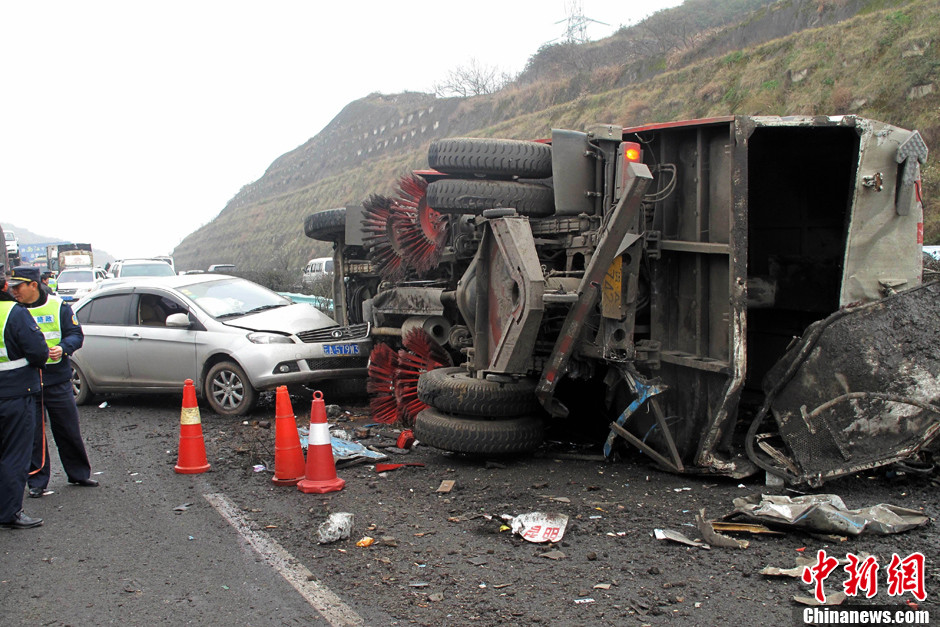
340 349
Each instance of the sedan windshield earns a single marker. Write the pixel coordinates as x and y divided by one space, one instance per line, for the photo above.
147 269
228 298
76 276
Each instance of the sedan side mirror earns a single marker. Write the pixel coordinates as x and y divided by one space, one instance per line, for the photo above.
178 321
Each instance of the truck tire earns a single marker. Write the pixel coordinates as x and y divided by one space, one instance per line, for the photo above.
326 225
473 196
468 156
455 391
477 436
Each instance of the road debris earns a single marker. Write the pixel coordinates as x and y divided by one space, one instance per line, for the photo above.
713 538
387 467
337 526
826 513
406 439
366 541
446 486
675 536
540 527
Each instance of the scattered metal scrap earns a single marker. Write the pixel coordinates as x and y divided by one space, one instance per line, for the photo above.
827 513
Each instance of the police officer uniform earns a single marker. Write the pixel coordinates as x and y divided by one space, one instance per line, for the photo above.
22 350
60 328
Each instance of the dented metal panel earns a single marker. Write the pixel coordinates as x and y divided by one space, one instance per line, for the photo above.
882 242
863 387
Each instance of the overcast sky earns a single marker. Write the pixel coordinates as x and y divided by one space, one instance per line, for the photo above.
128 124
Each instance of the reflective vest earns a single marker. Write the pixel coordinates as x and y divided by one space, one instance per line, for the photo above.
47 317
5 364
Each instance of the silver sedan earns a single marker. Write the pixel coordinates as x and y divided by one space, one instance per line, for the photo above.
232 337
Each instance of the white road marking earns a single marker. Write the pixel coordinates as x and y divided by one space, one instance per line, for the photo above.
321 598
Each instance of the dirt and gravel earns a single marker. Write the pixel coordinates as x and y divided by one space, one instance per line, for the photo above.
447 558
124 554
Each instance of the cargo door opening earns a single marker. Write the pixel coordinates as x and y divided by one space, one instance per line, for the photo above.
800 190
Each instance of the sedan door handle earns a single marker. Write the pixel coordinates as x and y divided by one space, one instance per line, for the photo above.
135 336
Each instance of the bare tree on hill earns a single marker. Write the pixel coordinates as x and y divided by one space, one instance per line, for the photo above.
474 79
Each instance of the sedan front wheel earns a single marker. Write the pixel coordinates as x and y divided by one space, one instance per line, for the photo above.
228 390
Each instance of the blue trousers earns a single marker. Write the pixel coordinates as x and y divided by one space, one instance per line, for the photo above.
58 400
16 441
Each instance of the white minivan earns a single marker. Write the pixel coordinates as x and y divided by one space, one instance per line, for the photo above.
317 271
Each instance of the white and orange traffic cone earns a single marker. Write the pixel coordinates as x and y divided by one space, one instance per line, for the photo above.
192 450
288 456
321 469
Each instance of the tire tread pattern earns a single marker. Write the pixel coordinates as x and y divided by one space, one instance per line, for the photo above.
474 196
325 225
454 391
478 436
491 157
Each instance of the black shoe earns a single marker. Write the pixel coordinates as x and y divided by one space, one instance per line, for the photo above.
86 483
36 493
21 521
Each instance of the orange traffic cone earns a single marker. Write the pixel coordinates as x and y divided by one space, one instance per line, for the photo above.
288 456
321 470
192 455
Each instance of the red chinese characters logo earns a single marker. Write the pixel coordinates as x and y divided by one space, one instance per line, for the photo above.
817 574
904 575
863 576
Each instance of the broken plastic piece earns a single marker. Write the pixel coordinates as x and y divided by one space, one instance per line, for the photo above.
387 467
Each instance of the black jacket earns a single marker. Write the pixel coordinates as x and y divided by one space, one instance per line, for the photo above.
22 338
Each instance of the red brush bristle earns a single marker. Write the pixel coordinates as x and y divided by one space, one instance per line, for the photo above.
422 233
383 363
421 353
379 224
423 346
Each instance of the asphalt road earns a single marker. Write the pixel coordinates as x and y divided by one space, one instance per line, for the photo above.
123 554
227 547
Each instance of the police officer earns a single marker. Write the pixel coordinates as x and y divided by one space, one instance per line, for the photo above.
22 350
63 336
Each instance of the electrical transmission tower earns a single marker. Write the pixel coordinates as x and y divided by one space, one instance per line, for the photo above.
576 23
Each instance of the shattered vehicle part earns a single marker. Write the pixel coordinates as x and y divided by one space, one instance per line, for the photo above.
860 390
826 513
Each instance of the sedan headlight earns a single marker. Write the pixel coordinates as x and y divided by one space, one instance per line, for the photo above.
268 338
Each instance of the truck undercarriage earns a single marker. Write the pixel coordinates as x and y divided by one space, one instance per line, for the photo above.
725 295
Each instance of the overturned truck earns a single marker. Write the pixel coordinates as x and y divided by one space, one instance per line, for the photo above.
725 295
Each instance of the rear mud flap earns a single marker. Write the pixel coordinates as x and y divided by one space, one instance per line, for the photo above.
860 390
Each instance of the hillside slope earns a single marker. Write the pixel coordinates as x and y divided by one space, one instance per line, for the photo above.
882 63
